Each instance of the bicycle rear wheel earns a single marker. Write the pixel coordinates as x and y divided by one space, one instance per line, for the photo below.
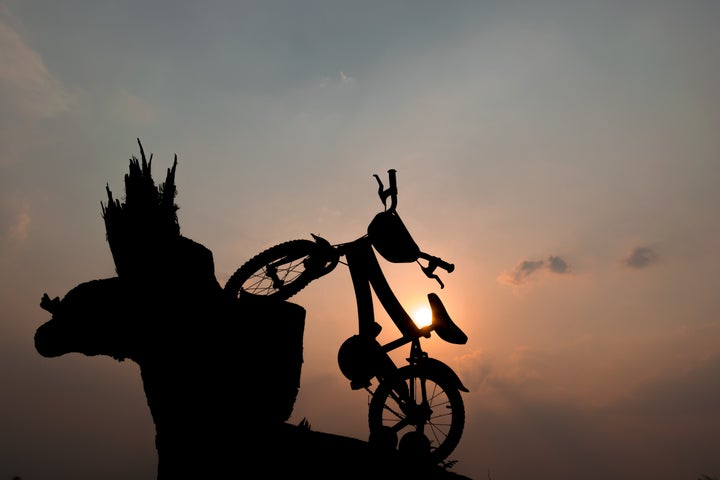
417 403
280 272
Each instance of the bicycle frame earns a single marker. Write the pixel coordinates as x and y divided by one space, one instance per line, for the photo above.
424 394
366 274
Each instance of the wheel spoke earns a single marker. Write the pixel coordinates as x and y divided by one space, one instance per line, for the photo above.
431 407
280 271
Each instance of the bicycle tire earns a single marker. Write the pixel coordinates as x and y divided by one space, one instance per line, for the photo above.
390 414
280 271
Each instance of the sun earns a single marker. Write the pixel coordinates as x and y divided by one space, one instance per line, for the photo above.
422 316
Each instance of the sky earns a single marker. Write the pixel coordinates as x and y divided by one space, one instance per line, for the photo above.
564 155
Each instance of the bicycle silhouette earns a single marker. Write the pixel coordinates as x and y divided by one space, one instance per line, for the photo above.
416 407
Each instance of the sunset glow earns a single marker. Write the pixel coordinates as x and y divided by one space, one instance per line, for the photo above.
564 156
422 316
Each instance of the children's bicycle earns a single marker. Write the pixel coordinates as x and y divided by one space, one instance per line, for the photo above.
416 407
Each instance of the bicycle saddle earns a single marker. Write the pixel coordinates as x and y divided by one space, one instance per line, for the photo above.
443 324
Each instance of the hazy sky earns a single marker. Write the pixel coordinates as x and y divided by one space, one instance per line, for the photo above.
565 155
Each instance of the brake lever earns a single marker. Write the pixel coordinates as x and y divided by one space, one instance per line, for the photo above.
391 191
433 263
429 273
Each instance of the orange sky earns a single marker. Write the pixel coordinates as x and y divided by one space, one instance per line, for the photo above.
563 155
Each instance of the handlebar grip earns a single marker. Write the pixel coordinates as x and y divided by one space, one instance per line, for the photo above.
434 262
392 175
449 267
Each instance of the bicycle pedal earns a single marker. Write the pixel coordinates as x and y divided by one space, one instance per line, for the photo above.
355 385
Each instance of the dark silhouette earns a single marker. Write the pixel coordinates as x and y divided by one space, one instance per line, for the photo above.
220 376
417 408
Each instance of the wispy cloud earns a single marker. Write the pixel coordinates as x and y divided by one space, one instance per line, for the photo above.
474 368
640 257
341 79
522 272
18 231
129 107
26 86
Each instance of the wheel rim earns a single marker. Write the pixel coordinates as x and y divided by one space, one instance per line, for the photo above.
271 278
438 415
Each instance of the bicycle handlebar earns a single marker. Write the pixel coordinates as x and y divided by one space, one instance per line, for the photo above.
391 192
433 263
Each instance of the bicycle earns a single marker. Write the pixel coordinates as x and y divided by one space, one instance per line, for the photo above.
415 407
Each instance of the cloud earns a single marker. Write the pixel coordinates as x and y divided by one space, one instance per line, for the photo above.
557 265
130 107
474 368
18 231
341 79
529 409
522 272
693 391
26 86
345 78
640 257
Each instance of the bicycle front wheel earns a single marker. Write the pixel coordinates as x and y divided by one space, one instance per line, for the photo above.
281 271
419 403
